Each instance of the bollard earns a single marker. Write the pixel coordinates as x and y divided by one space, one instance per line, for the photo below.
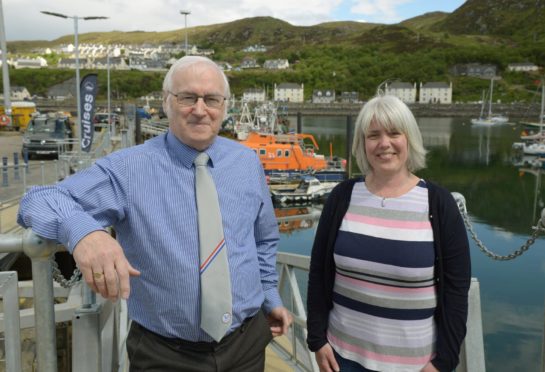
5 171
16 175
299 122
25 159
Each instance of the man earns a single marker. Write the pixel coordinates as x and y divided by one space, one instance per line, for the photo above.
147 193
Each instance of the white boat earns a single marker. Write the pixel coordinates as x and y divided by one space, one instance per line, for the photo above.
310 188
536 142
490 119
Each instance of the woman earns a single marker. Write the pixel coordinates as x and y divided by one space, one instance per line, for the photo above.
390 268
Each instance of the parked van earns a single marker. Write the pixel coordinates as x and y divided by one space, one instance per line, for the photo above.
21 114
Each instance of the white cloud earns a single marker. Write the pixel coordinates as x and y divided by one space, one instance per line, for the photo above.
23 20
384 9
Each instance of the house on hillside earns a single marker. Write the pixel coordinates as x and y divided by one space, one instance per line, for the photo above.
153 96
255 48
71 63
522 67
116 63
249 62
350 97
402 90
254 95
62 91
323 96
436 92
19 93
474 70
289 92
37 62
225 66
276 64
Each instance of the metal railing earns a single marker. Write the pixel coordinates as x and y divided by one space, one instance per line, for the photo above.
98 327
293 270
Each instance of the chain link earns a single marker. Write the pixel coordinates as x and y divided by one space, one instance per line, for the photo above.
59 278
539 228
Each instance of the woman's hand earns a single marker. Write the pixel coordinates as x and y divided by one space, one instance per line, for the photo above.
429 368
326 359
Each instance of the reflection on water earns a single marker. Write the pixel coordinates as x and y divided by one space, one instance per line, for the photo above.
504 200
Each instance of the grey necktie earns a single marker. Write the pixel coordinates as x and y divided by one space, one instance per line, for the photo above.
216 302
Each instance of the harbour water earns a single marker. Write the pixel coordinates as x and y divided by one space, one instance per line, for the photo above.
503 203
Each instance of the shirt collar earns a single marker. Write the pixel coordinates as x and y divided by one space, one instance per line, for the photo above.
186 154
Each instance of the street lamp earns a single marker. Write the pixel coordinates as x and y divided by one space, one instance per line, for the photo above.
75 18
185 13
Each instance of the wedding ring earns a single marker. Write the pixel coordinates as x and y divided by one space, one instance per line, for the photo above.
97 276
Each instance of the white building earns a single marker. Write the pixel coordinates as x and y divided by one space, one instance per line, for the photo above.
289 92
276 64
254 95
402 90
323 96
522 67
436 92
37 62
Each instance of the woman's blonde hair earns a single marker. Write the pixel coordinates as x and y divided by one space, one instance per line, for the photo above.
390 113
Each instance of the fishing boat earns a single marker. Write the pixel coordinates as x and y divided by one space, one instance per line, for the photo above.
285 156
296 217
294 155
309 189
490 119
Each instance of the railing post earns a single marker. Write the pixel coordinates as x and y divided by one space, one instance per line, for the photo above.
16 175
5 171
12 328
40 252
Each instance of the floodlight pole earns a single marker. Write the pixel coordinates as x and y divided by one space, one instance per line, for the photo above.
5 67
185 13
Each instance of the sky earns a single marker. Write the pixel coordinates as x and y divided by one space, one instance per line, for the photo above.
23 20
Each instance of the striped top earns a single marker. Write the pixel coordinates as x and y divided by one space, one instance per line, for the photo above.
384 295
147 193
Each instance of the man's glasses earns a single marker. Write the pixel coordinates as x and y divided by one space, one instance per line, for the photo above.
190 99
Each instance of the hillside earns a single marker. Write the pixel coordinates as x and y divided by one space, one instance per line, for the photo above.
521 20
350 56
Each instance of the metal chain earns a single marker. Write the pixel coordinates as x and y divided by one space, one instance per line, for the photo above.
59 278
539 228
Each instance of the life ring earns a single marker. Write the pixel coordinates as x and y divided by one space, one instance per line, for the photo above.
4 120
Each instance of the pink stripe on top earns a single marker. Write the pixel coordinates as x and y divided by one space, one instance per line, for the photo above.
387 223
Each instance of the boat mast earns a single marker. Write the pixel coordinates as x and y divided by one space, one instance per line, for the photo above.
542 105
483 99
490 101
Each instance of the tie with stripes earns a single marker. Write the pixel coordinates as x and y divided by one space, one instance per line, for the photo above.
216 302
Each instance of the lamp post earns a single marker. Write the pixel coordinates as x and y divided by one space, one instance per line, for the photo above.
5 71
78 98
185 13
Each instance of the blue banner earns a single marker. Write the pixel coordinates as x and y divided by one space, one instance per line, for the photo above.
88 92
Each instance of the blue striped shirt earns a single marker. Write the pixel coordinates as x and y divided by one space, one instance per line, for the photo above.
147 194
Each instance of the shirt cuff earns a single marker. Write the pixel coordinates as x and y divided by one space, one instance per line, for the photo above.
272 300
74 228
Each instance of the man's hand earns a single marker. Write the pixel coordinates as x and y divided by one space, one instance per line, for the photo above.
279 320
326 359
104 266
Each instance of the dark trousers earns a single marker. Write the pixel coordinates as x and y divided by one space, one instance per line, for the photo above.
241 351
